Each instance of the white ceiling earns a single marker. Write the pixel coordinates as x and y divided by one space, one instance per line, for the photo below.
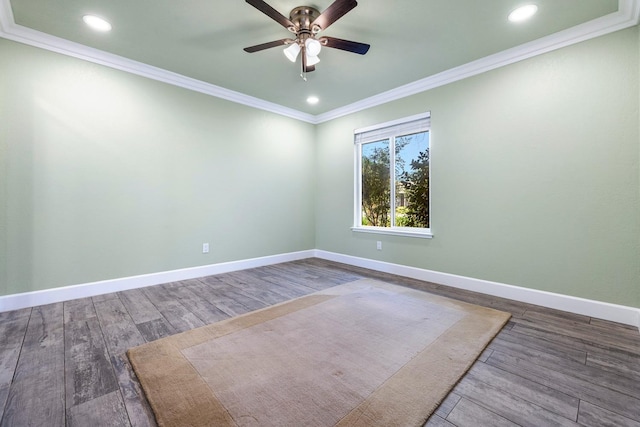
415 44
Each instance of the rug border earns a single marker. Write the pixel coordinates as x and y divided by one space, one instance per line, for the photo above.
208 409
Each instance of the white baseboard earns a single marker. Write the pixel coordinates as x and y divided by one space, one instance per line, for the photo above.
592 308
49 296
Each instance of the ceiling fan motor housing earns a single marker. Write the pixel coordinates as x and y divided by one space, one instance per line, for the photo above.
302 18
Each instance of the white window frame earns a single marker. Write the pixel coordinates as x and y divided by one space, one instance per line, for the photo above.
389 130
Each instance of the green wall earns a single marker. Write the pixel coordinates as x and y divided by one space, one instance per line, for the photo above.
107 175
535 175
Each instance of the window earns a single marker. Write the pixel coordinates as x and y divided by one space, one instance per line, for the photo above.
392 177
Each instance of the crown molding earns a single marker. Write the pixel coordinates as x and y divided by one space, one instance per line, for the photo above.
628 15
12 31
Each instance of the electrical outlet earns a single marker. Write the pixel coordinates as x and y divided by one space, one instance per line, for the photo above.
205 248
379 245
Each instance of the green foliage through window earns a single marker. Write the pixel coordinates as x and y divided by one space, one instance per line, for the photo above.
401 198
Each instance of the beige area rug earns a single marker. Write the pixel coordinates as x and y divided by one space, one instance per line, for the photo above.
366 353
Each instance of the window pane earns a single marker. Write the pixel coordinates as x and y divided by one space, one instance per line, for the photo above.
412 180
376 187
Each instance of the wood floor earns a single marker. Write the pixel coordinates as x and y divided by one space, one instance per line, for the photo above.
65 363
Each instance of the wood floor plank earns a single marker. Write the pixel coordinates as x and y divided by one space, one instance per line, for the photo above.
292 284
36 400
485 354
12 334
508 326
15 314
447 405
514 408
104 297
614 325
289 290
226 298
540 395
344 270
180 318
280 284
591 415
328 273
576 369
138 305
437 421
138 409
277 275
508 339
624 364
88 371
585 333
119 330
621 336
199 306
4 393
469 414
79 309
589 344
308 272
323 268
559 317
155 329
36 395
567 383
223 296
107 410
615 330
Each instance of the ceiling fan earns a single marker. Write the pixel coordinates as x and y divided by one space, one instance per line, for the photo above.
306 22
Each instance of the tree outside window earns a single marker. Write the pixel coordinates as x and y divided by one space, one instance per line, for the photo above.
398 200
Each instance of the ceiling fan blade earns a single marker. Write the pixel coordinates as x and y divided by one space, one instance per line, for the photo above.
335 11
271 13
268 45
349 46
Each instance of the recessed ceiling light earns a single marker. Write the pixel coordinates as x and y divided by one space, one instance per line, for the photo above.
313 100
523 13
96 23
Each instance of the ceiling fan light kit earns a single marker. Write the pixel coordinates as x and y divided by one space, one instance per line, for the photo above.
292 52
312 47
306 22
312 60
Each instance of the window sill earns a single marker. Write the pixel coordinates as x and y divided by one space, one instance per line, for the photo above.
423 234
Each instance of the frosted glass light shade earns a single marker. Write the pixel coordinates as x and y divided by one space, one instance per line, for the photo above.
312 47
292 52
312 60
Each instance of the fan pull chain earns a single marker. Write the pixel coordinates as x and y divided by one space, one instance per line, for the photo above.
303 74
